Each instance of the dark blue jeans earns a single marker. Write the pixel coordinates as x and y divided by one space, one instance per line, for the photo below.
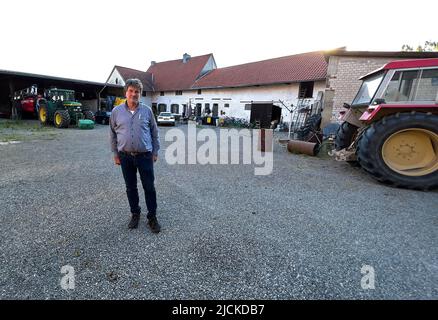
145 166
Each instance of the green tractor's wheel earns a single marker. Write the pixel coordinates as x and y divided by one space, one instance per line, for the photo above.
402 150
62 119
89 115
43 115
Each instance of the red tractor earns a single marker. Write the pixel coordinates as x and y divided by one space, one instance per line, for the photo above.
391 127
25 102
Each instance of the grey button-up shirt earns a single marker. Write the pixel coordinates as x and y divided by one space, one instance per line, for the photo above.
136 132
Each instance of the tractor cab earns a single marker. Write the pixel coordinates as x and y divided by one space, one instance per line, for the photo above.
61 95
393 88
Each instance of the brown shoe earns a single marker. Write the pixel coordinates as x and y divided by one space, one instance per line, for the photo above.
133 224
154 225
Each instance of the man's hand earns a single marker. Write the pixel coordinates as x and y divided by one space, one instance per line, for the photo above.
155 157
117 160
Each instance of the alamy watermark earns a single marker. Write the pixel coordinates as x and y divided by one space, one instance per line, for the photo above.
222 148
368 280
68 281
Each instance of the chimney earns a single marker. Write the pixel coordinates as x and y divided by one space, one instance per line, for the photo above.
153 63
186 57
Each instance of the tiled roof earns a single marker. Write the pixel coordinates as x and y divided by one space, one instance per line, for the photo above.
144 77
176 75
296 68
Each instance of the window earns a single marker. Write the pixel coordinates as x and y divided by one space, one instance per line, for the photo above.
117 80
248 106
144 94
198 109
306 90
226 105
162 107
368 89
161 93
199 91
174 108
178 93
215 109
207 108
427 86
401 86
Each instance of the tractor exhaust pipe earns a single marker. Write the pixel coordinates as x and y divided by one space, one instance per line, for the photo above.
296 146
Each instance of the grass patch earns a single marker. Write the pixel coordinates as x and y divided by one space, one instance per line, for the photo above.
27 137
17 130
23 125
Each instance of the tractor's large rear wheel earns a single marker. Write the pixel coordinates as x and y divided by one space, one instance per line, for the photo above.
62 119
402 150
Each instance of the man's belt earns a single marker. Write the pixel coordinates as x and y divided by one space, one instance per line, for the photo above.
129 153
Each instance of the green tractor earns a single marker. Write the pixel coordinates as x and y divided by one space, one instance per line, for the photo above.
60 108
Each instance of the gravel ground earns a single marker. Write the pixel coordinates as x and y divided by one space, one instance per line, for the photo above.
303 232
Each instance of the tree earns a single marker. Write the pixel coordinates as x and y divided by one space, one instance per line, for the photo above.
428 46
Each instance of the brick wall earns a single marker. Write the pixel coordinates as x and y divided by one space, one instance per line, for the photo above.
342 78
427 89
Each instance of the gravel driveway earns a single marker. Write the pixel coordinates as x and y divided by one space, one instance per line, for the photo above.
303 232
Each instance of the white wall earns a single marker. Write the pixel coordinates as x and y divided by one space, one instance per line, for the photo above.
238 98
147 100
116 75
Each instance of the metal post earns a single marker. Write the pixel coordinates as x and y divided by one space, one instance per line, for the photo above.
261 143
14 111
290 125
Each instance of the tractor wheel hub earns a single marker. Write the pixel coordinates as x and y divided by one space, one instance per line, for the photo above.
406 150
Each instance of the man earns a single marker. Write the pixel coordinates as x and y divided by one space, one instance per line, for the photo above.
135 144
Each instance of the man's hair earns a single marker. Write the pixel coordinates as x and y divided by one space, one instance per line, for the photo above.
136 83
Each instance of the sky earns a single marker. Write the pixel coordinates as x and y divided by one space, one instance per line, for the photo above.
84 39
